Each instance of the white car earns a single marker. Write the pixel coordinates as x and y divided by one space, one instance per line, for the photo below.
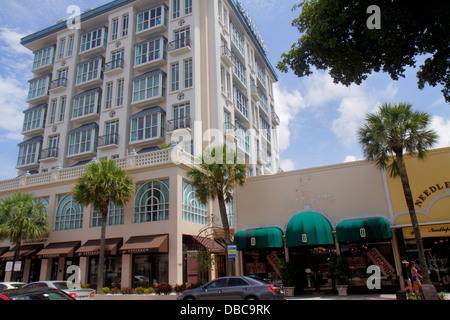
11 285
79 294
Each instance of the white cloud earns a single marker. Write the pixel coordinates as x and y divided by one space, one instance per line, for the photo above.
287 165
442 127
351 158
11 39
288 105
12 104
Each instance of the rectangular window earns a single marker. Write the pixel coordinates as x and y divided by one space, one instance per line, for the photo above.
52 115
188 76
187 6
28 153
175 9
109 95
265 126
243 137
33 118
238 39
115 29
43 57
53 145
175 70
151 18
62 108
147 127
149 87
39 87
62 48
125 22
82 141
239 69
115 217
182 38
90 70
150 51
120 89
93 39
86 104
181 116
240 101
70 45
111 133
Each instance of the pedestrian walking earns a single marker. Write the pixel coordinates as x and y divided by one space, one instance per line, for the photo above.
415 277
407 275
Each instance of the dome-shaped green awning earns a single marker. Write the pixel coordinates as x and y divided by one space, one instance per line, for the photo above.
307 229
259 239
363 230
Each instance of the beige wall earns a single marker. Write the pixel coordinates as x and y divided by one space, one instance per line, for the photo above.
339 192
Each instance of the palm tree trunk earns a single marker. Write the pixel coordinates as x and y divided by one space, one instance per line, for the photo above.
18 242
101 259
226 228
414 220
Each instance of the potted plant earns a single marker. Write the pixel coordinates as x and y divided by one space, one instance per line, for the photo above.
289 275
340 272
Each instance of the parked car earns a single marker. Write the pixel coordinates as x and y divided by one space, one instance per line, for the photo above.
79 294
37 293
11 285
235 288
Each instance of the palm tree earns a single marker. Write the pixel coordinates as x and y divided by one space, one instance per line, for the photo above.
21 217
385 136
103 183
215 178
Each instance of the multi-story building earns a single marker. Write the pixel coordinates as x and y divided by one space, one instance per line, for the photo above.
118 82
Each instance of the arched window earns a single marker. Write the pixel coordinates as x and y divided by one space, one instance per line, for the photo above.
152 201
69 214
115 216
193 210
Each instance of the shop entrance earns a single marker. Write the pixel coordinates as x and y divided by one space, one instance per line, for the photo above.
312 267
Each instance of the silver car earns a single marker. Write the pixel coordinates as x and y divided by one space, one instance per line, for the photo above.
11 285
235 288
79 294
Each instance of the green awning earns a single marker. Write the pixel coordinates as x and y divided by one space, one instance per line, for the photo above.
259 239
363 230
307 229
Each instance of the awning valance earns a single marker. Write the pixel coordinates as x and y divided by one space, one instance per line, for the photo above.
308 228
363 230
59 249
147 244
24 252
259 239
92 247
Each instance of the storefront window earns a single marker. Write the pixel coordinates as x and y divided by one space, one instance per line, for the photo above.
260 263
113 271
150 269
437 253
360 256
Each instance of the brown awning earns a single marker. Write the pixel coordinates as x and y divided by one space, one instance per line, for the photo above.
59 249
147 244
24 252
3 250
210 244
92 247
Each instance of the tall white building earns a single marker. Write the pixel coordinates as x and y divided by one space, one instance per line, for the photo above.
118 82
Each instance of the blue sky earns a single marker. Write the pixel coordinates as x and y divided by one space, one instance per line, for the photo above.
319 119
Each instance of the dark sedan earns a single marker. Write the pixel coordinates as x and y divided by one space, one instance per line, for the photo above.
235 288
34 294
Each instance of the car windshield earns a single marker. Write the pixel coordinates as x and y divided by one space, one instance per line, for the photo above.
61 285
17 285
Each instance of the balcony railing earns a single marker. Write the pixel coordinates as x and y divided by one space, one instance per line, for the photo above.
114 65
49 153
108 140
58 83
179 44
180 123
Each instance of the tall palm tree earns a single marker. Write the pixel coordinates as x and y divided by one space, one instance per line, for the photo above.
215 178
21 217
103 183
385 136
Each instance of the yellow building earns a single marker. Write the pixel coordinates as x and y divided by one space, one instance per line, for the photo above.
352 209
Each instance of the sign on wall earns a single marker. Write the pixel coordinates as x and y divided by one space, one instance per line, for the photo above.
377 258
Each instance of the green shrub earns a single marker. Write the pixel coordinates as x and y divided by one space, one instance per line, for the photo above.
149 290
140 290
105 290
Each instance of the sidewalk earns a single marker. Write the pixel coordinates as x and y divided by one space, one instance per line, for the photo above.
349 297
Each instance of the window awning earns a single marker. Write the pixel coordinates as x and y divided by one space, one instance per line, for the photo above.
307 229
59 249
147 244
363 230
92 247
24 251
259 239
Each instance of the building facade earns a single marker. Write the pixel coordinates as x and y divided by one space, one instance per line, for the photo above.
351 209
123 81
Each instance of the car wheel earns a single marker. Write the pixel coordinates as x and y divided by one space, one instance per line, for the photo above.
251 298
189 298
